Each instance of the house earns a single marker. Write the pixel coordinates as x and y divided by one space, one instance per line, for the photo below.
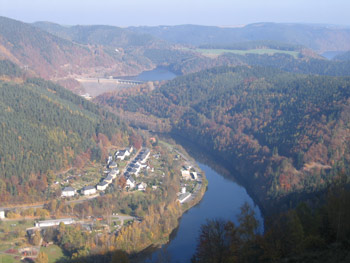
134 171
130 149
144 155
108 179
121 155
194 175
56 222
185 174
102 186
68 192
89 190
183 197
112 165
142 186
130 182
114 173
2 214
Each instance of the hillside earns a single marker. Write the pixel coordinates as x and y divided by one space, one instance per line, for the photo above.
52 57
140 47
304 63
44 128
343 56
284 133
102 35
317 37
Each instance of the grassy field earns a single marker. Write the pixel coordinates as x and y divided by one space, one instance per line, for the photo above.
7 259
218 52
53 252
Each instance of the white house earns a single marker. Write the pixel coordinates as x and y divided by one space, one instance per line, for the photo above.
68 192
183 197
130 149
142 186
2 214
89 190
130 182
102 186
121 155
114 173
108 179
185 174
112 165
144 156
56 222
194 175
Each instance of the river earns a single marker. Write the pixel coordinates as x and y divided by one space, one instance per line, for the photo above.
223 199
157 74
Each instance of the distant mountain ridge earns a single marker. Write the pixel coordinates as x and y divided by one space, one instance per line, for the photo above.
317 37
102 35
51 56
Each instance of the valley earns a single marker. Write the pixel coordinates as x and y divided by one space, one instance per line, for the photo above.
134 143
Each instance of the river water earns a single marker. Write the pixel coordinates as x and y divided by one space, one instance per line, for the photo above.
223 199
157 74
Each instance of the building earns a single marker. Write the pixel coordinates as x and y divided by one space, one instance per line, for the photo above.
194 175
89 190
56 222
130 149
142 186
144 154
112 165
102 186
68 192
121 155
114 173
186 174
130 182
108 179
2 214
183 197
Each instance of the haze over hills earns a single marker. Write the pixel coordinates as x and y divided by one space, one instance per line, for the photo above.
317 37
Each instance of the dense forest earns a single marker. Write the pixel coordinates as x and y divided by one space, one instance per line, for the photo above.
43 129
305 234
287 133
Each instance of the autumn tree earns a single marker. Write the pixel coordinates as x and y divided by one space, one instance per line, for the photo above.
42 258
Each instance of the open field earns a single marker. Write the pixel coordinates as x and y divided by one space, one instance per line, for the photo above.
7 259
218 52
54 253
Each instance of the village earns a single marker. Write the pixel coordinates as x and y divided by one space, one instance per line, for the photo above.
127 170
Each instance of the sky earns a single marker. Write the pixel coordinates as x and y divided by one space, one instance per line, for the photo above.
176 12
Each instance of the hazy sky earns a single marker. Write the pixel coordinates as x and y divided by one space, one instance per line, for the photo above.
174 12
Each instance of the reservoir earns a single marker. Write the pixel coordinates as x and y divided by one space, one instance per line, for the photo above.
157 74
223 200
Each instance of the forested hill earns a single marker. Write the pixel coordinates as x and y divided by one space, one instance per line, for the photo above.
343 56
102 35
320 38
43 129
52 57
285 133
